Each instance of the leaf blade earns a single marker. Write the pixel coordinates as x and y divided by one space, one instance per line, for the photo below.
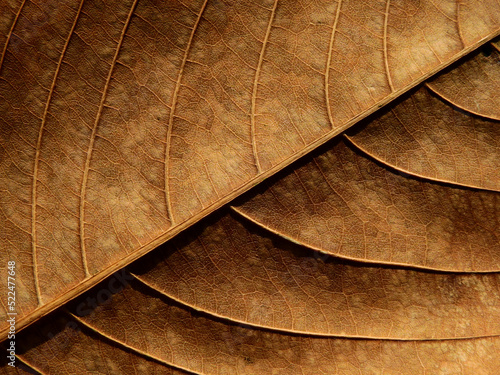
125 214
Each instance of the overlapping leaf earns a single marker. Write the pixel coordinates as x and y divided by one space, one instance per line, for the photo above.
473 86
236 273
344 204
264 296
201 345
301 312
434 138
118 132
84 352
173 336
124 122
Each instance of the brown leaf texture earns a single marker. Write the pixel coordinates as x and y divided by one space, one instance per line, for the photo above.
89 353
142 320
264 287
235 273
473 86
124 122
345 204
433 137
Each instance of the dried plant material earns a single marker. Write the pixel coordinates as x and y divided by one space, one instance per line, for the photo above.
342 203
124 122
236 271
151 327
450 133
84 352
473 85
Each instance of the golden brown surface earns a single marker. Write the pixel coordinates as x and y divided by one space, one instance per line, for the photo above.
474 85
437 133
228 296
64 347
123 122
345 204
233 270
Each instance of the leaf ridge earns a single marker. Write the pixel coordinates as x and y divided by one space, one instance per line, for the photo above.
329 62
130 347
255 84
386 61
37 155
319 250
397 169
211 314
172 111
28 364
4 51
459 29
448 100
92 140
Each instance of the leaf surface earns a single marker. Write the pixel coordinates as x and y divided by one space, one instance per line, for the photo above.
432 137
147 325
345 204
206 346
124 122
473 86
229 296
236 271
89 353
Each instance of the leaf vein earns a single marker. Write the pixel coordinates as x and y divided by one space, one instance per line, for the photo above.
92 140
386 58
37 154
255 85
329 62
172 112
4 51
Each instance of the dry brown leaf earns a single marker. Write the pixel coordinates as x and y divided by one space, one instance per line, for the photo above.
345 204
426 136
474 85
237 272
124 122
229 297
67 349
145 323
